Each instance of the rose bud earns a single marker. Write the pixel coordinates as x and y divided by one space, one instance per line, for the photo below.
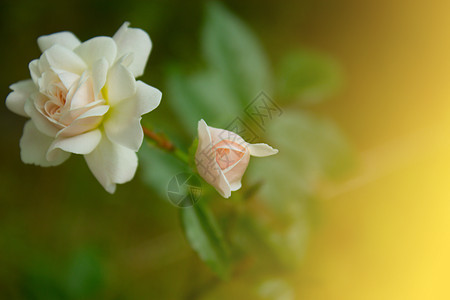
222 157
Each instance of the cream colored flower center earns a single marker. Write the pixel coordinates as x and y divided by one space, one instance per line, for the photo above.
228 153
56 101
62 105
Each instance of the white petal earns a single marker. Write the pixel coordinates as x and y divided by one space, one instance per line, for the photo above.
86 122
223 187
218 134
35 71
136 41
126 59
61 58
120 84
111 164
67 78
126 132
79 144
97 48
235 186
123 125
261 150
82 94
99 72
148 98
65 38
47 78
15 101
69 115
234 174
34 146
205 161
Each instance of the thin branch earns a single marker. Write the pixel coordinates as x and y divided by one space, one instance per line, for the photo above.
161 141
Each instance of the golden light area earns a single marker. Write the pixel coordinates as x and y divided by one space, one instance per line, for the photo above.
385 230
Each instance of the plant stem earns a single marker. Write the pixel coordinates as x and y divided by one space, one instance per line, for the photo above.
165 144
181 155
161 141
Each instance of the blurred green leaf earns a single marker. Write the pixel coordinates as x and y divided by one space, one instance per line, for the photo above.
203 95
191 154
308 76
274 239
206 238
310 148
85 274
158 167
41 282
276 289
230 47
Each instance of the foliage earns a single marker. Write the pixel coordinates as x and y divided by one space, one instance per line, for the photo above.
271 219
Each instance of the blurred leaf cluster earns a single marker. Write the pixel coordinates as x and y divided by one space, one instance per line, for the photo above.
80 277
263 228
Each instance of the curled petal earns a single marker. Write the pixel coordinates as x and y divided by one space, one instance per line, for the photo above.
97 48
135 41
82 94
234 175
205 160
67 78
80 144
123 125
65 38
34 146
126 132
99 73
218 135
111 164
35 70
147 98
86 122
261 150
120 84
61 58
22 90
223 186
69 115
42 123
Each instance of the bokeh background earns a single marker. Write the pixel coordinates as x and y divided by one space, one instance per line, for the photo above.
364 158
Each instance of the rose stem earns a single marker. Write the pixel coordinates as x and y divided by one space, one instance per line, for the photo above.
163 143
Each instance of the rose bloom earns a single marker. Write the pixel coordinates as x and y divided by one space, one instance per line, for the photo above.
83 98
222 157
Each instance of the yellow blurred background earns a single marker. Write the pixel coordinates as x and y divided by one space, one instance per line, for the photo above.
386 231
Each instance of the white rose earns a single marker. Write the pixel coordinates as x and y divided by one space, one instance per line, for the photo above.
83 98
222 157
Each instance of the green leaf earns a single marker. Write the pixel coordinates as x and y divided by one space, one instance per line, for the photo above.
230 47
158 168
308 76
274 240
206 239
41 282
191 154
85 274
203 95
310 149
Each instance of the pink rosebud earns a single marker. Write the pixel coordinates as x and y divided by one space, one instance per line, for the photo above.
222 157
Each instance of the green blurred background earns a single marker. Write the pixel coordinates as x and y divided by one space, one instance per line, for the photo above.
355 206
